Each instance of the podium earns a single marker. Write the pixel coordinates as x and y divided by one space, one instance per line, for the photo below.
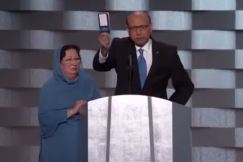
136 128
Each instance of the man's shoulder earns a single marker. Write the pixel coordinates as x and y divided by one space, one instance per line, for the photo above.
162 44
165 49
122 43
122 40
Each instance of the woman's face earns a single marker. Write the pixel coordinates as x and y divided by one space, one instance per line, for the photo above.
70 64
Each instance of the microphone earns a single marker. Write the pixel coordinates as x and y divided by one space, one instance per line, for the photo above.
130 69
130 61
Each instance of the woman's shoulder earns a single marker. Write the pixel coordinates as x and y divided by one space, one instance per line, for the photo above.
86 77
49 84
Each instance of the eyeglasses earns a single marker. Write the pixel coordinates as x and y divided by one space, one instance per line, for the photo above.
69 60
140 27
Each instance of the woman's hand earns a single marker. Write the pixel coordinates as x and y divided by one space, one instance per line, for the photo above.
78 108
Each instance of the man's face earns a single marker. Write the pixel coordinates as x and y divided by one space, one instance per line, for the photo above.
139 28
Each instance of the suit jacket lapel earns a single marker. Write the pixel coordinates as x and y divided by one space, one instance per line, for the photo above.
155 51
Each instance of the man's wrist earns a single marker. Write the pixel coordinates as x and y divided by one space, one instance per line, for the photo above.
104 51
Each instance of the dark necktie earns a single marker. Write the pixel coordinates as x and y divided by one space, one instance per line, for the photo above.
142 67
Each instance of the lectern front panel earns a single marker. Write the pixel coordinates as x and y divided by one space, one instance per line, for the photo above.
135 128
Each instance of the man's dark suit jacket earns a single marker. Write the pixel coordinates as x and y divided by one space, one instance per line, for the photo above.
165 65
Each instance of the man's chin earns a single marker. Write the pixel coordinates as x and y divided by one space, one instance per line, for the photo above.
140 44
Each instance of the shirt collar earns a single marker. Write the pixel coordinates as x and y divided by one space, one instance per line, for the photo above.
147 47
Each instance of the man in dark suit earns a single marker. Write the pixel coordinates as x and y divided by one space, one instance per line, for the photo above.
160 62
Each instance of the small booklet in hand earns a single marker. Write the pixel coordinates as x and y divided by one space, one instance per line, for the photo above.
104 22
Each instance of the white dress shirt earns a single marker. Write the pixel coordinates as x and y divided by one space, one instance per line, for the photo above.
147 53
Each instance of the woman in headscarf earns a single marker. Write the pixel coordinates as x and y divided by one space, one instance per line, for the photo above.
62 119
